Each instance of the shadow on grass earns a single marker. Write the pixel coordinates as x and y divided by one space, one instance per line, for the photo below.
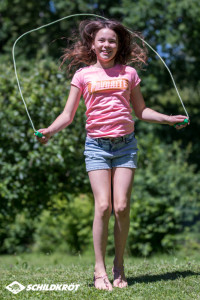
166 276
153 278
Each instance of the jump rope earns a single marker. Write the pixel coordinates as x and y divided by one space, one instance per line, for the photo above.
39 134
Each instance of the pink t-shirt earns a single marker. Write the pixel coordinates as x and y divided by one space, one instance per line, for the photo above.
107 98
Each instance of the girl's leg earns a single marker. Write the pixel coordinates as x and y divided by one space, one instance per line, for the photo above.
122 186
101 186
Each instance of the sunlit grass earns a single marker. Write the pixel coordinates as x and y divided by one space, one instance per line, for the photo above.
174 276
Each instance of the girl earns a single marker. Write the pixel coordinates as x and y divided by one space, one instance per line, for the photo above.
108 86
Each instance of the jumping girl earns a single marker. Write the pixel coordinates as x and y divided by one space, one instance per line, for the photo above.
109 87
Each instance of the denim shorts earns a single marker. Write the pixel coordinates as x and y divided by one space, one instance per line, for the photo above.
108 153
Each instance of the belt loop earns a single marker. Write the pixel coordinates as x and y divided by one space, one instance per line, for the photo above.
126 137
112 140
99 142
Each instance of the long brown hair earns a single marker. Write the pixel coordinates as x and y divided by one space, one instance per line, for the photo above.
130 49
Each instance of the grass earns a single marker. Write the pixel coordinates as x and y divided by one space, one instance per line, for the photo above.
163 277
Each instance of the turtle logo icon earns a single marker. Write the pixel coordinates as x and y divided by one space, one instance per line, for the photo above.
15 287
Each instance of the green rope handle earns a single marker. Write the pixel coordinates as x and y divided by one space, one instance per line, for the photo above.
182 123
39 134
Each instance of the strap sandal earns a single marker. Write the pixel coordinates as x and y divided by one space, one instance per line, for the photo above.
105 281
119 277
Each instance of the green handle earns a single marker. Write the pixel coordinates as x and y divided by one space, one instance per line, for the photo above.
38 134
182 123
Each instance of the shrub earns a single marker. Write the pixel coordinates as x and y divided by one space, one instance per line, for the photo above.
166 193
165 197
31 173
66 225
18 233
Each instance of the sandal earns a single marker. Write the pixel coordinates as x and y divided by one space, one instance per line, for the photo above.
105 281
119 277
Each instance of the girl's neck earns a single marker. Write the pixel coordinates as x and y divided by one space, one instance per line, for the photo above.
102 65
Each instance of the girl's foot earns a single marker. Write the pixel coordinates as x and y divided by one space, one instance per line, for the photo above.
102 282
119 277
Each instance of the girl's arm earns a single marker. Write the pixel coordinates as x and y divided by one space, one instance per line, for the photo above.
65 118
149 115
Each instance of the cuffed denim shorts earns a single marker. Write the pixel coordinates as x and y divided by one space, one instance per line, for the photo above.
108 153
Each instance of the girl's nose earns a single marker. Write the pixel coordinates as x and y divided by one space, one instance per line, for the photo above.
106 44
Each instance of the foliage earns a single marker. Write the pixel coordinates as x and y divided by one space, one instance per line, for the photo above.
168 103
159 219
172 25
189 240
17 234
31 174
65 226
37 181
165 197
25 164
19 17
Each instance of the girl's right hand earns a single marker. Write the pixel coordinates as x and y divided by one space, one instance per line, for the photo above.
174 120
47 135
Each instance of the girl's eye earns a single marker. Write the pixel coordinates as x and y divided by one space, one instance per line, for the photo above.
111 42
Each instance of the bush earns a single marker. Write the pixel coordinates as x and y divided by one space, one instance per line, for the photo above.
31 173
165 197
189 240
17 233
66 225
166 193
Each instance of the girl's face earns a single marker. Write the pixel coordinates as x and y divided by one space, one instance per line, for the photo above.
105 46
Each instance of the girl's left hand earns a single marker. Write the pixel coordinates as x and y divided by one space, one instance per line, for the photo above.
46 135
172 120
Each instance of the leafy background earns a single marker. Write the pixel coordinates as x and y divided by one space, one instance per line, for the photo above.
45 197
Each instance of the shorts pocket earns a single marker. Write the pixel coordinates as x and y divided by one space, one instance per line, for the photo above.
90 142
90 154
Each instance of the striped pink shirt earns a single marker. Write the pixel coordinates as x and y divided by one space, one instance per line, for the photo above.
107 98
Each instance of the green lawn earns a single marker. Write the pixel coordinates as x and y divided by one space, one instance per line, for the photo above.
160 277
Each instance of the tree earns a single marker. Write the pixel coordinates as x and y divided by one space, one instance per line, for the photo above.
17 18
174 25
32 175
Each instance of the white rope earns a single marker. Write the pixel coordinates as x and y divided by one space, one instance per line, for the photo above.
67 17
169 73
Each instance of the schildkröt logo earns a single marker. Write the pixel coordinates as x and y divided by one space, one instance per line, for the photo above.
16 287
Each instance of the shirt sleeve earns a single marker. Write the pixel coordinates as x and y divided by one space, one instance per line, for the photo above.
77 79
135 79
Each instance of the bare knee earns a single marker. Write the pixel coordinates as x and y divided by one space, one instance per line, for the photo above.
103 208
121 209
